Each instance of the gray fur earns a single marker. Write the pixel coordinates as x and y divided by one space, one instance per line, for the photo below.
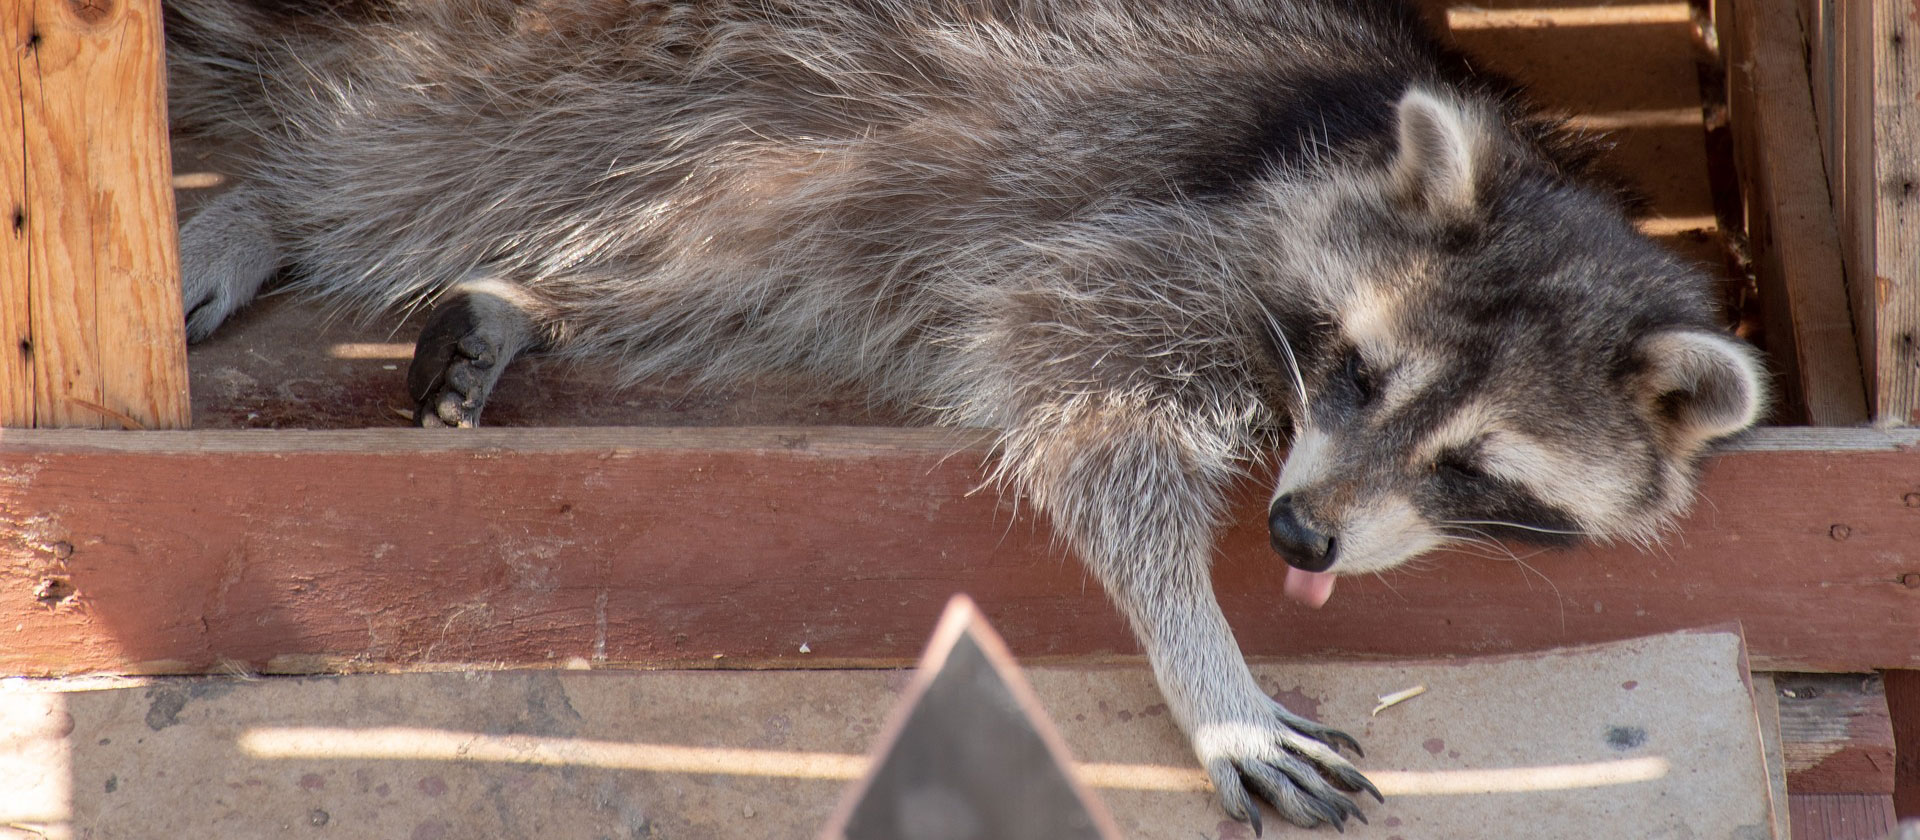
1135 239
227 252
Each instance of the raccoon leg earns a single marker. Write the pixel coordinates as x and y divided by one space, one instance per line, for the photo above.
227 252
473 332
1139 499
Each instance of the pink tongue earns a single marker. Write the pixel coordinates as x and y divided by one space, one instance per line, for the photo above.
1310 588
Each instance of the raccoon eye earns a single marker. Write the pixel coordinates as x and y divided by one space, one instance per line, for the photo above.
1360 377
1459 466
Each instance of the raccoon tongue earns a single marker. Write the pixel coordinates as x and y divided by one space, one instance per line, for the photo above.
1310 588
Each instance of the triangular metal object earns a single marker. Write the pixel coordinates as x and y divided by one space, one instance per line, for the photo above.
969 753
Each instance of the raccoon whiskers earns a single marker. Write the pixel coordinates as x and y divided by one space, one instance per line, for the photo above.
1382 577
1503 524
1475 536
1279 337
1482 538
1491 549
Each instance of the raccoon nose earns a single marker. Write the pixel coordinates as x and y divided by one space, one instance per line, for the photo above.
1300 545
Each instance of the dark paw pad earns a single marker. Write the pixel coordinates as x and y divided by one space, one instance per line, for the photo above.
456 363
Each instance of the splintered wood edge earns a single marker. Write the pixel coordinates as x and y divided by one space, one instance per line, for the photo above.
1766 708
961 618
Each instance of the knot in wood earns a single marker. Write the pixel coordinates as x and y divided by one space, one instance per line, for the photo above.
1840 532
91 11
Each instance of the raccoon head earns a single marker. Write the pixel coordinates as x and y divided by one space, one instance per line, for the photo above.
1503 357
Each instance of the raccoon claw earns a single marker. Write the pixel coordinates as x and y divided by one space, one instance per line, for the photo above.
1297 770
1319 732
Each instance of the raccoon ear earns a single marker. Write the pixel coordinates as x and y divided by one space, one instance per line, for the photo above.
1439 159
1702 385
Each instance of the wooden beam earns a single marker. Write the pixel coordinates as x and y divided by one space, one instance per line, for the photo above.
1790 221
89 288
309 551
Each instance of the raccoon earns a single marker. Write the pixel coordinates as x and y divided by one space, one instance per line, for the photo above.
1146 243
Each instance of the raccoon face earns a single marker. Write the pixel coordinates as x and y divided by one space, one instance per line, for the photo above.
1510 360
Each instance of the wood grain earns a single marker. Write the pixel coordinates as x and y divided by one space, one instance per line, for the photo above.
1790 216
1766 707
1903 705
1841 816
287 551
1896 197
1835 733
1856 193
16 369
104 333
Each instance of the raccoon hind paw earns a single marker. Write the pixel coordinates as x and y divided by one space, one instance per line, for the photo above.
227 252
469 339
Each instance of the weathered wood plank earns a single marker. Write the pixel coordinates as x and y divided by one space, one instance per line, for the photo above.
103 335
1842 816
1835 733
16 371
1855 194
1790 216
185 551
1903 705
1869 106
1896 197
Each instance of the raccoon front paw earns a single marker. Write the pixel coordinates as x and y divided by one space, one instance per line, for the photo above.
1291 762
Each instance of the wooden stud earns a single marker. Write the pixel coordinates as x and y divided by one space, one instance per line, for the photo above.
91 305
1790 217
1903 705
1895 197
16 339
309 551
1866 71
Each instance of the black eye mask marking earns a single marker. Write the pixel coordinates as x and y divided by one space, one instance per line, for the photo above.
1464 499
1360 378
